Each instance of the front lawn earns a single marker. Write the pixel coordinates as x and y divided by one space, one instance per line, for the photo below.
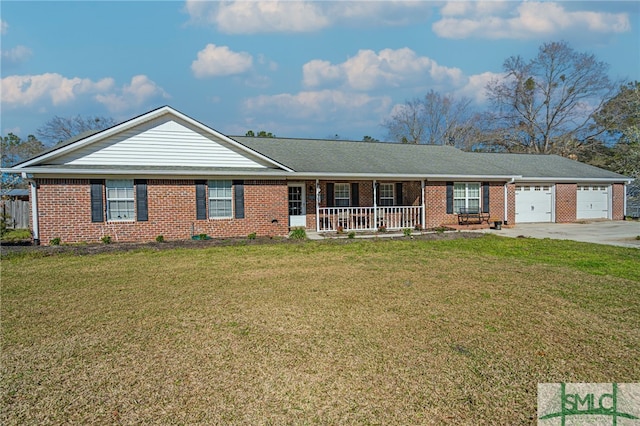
360 332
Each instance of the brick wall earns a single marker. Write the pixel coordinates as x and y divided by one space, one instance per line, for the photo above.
435 195
511 204
64 207
566 202
617 191
436 198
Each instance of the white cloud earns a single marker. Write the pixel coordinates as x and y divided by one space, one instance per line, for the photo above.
4 27
16 55
474 89
40 90
139 91
496 20
217 61
250 17
319 106
387 68
26 90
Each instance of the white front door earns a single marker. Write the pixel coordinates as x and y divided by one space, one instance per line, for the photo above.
592 202
297 205
534 203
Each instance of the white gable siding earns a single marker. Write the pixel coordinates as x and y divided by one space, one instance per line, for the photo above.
160 142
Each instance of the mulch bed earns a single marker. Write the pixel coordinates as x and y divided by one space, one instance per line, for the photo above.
8 249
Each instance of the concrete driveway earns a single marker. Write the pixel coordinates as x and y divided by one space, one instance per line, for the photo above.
617 233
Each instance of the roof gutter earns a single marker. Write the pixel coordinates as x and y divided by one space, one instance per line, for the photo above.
258 173
571 180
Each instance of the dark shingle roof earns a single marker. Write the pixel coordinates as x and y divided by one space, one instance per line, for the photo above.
338 156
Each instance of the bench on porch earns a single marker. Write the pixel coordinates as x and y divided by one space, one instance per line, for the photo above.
467 216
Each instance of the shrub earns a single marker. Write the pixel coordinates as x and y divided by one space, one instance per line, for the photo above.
340 230
160 239
351 235
418 227
298 234
4 218
407 232
252 236
382 228
202 236
106 239
55 241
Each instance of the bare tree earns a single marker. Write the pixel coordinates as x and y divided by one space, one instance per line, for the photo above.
435 119
546 105
14 150
60 129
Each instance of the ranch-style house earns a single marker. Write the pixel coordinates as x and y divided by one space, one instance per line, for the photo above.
164 173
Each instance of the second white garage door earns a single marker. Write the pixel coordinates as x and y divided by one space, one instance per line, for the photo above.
593 202
534 203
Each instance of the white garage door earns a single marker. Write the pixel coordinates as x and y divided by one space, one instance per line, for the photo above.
534 203
593 202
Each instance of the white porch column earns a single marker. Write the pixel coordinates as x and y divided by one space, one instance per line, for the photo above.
374 225
423 216
317 205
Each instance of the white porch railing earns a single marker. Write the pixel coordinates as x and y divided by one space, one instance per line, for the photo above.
369 218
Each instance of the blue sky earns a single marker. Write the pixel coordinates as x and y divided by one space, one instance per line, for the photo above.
293 68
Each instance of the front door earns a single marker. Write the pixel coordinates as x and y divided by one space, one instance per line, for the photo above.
297 205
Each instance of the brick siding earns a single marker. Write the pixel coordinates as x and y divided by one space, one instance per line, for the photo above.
64 207
566 202
617 191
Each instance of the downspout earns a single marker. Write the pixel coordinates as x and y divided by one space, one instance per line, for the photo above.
506 200
423 217
34 209
317 205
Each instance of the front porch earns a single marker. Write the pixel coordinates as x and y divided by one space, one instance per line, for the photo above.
369 218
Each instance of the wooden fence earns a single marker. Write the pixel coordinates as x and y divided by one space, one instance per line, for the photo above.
16 213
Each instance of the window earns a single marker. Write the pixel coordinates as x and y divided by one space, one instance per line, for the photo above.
341 194
220 198
120 201
466 195
386 194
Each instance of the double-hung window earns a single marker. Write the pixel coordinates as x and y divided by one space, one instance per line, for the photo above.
466 195
342 194
120 200
220 199
386 194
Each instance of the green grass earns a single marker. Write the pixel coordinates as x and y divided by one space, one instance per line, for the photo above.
16 235
349 331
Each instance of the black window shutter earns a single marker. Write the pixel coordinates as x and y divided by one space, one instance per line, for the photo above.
377 194
97 206
485 197
449 197
330 201
142 209
201 199
355 194
239 198
399 194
